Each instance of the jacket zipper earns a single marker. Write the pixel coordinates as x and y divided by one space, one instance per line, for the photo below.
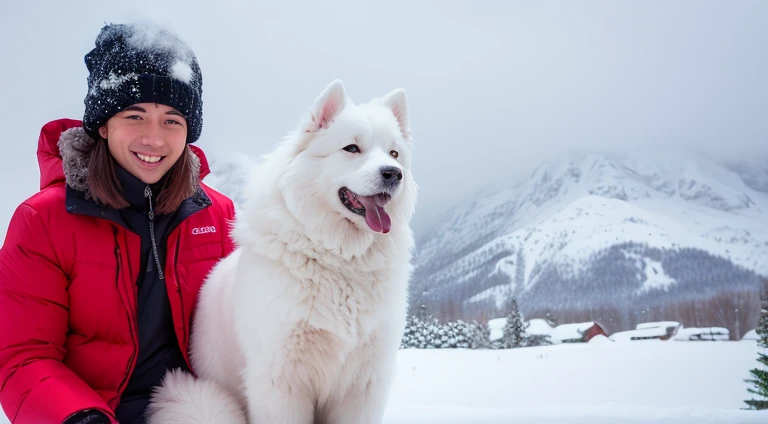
151 216
178 289
121 386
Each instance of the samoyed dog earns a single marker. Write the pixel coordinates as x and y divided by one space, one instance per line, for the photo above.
302 323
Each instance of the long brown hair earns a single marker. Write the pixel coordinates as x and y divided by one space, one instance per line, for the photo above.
106 190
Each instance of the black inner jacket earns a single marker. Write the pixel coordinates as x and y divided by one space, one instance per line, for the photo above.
158 345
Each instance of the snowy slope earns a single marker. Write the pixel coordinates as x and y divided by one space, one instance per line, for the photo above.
594 383
570 213
633 382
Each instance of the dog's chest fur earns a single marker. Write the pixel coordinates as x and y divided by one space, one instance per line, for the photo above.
338 296
322 314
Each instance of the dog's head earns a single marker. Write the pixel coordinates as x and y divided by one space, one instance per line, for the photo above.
348 167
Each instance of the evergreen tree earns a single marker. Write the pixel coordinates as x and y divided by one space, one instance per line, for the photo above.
760 375
443 339
533 340
420 334
450 335
480 335
462 333
430 334
514 329
410 334
422 331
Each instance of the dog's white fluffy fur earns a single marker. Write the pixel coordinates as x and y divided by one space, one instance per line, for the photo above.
302 323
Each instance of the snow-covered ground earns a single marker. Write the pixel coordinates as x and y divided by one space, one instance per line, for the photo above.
631 382
599 382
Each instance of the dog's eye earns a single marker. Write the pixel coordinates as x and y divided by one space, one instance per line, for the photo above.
394 153
352 148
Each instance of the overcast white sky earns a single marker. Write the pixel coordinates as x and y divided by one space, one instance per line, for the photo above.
495 86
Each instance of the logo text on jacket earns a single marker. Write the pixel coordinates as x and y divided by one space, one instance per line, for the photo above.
203 230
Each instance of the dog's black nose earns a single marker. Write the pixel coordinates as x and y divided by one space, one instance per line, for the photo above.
391 175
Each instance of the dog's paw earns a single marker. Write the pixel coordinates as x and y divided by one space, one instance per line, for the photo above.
184 399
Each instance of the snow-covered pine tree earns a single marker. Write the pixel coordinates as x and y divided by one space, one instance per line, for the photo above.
513 333
480 335
431 333
461 335
406 337
443 336
533 340
422 331
454 335
420 334
410 336
760 374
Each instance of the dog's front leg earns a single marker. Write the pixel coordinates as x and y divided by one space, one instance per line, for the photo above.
369 371
364 404
275 400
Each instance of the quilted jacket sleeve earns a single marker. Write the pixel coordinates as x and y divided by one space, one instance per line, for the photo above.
35 386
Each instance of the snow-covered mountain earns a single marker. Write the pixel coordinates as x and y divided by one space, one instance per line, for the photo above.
601 231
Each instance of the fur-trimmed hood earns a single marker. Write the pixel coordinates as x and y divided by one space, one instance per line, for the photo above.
64 151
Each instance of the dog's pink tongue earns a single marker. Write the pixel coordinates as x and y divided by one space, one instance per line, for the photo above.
375 216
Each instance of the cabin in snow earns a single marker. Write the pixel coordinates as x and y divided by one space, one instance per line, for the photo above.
577 333
539 326
663 330
565 333
703 334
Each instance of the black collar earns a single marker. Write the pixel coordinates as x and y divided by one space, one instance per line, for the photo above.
78 203
134 188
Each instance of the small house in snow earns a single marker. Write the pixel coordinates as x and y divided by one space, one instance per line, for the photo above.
663 330
576 333
670 326
703 334
538 326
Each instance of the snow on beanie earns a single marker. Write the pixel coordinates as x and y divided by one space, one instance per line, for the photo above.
142 64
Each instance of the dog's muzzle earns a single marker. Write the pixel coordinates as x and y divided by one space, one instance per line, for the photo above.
390 177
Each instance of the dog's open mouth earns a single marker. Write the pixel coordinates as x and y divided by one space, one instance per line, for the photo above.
370 207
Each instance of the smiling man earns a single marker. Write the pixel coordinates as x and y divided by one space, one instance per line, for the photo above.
146 139
102 267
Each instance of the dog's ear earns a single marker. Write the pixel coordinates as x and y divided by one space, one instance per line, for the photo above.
327 105
397 101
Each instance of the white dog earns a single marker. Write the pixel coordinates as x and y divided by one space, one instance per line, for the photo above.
302 323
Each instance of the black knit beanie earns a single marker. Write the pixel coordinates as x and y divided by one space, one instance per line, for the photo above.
142 64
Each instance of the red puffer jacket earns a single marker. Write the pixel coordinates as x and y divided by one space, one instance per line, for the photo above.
68 337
